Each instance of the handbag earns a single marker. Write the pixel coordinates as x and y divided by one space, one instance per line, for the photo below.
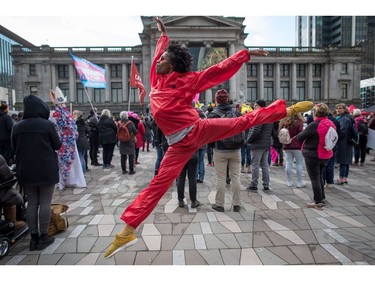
58 222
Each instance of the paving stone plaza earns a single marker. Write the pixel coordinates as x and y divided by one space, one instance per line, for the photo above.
272 228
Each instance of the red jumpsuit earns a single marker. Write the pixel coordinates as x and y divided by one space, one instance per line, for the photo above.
171 98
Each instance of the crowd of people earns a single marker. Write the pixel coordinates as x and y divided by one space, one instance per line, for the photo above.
69 141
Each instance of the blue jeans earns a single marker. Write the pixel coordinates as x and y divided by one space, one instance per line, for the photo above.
159 157
209 154
290 155
329 173
245 156
82 160
200 166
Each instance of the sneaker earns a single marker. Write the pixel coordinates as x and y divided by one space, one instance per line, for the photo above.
181 204
301 184
339 182
266 188
329 185
314 205
324 202
236 208
299 107
120 242
251 188
195 204
132 172
124 172
289 183
110 166
217 208
242 169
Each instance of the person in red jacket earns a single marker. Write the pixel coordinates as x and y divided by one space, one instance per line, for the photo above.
173 88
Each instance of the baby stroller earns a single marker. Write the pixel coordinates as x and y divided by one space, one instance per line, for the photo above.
12 206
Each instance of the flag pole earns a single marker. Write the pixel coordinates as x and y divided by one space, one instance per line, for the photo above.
130 87
92 107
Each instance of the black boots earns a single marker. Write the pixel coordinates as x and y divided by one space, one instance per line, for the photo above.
45 241
34 242
40 243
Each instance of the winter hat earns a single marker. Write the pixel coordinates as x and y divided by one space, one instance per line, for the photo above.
221 96
57 96
261 103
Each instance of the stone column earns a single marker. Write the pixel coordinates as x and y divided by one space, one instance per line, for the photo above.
125 82
232 81
309 79
72 83
277 81
261 81
293 85
107 78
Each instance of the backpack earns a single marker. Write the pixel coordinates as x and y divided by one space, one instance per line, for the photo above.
362 127
284 136
123 133
233 142
330 139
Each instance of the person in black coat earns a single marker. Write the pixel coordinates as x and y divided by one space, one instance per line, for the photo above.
92 121
35 142
107 137
82 140
6 125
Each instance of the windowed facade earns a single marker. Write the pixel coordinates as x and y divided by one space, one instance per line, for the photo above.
251 91
81 96
116 92
33 90
344 89
116 70
268 90
99 96
344 68
64 87
32 69
317 90
63 71
301 90
284 70
317 70
252 70
284 90
301 70
268 70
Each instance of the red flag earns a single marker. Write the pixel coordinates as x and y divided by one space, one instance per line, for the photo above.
135 81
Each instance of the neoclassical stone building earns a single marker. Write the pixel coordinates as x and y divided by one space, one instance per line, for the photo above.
329 75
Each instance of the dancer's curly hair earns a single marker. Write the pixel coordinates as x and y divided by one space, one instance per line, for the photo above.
180 58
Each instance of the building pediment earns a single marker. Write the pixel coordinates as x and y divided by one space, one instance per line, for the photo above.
194 21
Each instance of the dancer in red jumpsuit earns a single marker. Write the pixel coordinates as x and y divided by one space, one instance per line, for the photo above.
173 88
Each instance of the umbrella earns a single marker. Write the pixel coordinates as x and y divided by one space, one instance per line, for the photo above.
370 109
351 107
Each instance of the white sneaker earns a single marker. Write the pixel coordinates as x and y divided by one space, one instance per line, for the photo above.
289 183
301 184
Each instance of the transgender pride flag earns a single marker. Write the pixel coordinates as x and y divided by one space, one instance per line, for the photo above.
91 75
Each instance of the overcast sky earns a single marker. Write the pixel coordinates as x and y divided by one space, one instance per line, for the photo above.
63 31
117 22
